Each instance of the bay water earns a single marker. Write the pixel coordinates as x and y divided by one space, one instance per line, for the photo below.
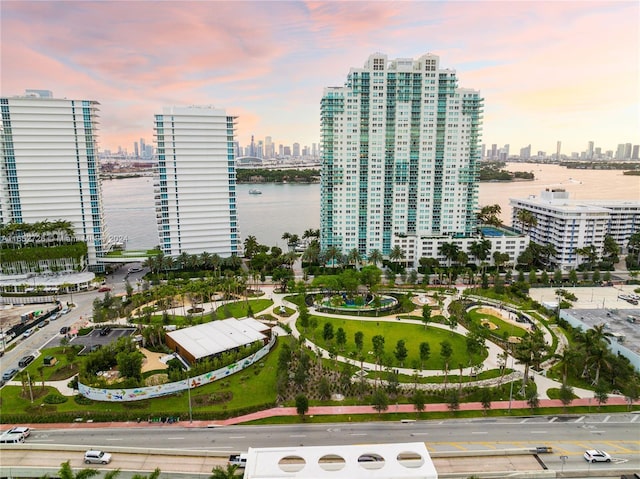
130 210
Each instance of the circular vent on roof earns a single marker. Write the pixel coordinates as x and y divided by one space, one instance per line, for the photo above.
410 459
371 461
292 463
331 462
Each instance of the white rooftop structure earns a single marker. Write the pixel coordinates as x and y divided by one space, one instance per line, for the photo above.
380 461
218 336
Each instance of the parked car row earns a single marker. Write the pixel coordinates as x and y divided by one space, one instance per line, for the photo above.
630 298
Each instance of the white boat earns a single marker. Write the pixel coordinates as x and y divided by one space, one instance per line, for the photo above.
253 191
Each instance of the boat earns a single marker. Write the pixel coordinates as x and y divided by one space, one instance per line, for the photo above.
253 191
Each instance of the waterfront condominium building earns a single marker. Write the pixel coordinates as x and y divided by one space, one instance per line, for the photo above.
195 181
570 225
49 166
400 146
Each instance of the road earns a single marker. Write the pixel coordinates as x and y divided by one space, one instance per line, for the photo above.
569 436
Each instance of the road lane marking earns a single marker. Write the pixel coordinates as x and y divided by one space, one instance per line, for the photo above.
580 419
298 435
553 419
113 439
358 434
479 432
633 419
237 437
538 432
419 434
606 419
174 438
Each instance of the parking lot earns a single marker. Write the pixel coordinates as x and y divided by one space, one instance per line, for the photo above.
599 297
96 340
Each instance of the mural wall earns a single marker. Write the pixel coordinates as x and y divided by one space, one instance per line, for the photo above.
137 394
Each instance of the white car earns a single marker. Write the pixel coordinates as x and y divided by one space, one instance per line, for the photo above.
23 431
97 457
594 455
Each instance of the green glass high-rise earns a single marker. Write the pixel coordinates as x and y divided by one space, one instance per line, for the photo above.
400 147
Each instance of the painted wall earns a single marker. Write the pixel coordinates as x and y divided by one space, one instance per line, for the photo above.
138 394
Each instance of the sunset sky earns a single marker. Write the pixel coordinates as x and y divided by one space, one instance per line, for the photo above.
548 71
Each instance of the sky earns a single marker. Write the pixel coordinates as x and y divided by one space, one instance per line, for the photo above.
547 71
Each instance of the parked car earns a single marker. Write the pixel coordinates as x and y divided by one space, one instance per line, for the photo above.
105 331
64 329
104 289
24 431
54 316
595 455
26 360
134 269
97 457
42 324
27 333
9 373
65 311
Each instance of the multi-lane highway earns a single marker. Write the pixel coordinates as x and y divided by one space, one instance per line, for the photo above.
569 436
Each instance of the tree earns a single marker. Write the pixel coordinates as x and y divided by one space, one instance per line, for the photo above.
526 220
566 395
227 472
453 400
532 399
446 351
302 405
375 257
154 475
425 353
380 400
600 393
426 315
354 258
66 472
418 399
327 332
341 338
396 254
489 215
449 251
332 256
401 352
359 340
485 399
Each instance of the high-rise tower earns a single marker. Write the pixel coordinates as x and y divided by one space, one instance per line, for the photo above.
400 146
49 167
195 184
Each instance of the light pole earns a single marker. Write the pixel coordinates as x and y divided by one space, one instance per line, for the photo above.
511 385
189 395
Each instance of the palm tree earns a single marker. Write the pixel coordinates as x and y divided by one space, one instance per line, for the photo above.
250 246
332 256
527 220
183 260
396 254
311 253
449 251
66 472
228 472
375 257
354 257
489 215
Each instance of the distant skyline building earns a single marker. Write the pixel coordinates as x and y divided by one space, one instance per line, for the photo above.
195 181
400 146
49 169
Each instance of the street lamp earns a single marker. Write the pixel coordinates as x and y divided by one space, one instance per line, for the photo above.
189 395
511 385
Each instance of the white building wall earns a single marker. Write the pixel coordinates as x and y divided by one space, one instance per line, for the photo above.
50 169
573 224
195 182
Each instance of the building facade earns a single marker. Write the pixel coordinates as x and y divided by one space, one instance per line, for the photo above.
400 146
573 224
195 181
49 168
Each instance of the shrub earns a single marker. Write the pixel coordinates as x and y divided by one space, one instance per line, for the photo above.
54 398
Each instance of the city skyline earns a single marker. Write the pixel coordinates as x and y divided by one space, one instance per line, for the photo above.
546 75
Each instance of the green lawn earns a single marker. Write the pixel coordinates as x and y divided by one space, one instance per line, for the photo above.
412 334
60 370
239 309
503 326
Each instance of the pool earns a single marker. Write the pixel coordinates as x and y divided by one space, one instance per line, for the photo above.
492 231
